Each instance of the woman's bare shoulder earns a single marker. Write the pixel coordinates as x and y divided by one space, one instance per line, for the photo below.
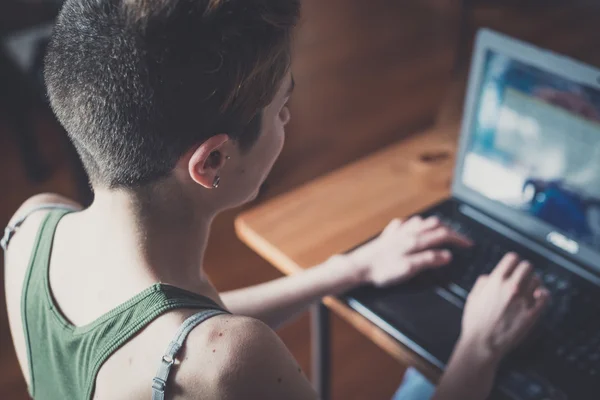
240 357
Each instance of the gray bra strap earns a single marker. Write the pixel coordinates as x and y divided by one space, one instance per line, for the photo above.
11 229
159 382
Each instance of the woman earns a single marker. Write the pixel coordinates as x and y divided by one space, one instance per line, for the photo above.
177 109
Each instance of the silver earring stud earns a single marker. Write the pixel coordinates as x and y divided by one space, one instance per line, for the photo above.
227 158
216 182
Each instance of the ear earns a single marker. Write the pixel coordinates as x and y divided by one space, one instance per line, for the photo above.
207 159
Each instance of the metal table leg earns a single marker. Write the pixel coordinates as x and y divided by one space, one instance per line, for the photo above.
321 350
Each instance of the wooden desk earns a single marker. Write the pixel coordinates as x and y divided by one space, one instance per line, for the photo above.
342 209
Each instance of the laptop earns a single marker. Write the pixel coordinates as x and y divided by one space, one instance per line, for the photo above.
527 179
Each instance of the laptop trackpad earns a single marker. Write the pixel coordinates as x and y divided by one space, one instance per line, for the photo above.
426 320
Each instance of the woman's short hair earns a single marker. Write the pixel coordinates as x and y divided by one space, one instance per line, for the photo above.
137 83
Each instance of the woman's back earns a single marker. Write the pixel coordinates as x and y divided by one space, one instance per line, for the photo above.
111 339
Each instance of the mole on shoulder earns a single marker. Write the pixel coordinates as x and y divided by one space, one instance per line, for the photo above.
279 380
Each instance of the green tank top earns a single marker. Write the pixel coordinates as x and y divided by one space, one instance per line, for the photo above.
64 359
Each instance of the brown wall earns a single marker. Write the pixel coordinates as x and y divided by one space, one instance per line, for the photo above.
367 73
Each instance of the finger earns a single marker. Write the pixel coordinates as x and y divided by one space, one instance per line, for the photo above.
439 237
533 284
522 275
412 224
531 315
429 224
541 295
506 266
393 225
428 259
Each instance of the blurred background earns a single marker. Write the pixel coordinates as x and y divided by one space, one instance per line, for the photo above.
367 74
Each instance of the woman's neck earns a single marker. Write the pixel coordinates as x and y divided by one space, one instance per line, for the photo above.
162 236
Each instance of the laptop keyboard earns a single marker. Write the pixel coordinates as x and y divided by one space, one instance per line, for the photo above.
570 328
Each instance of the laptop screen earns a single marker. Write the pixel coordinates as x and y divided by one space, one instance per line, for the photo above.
535 146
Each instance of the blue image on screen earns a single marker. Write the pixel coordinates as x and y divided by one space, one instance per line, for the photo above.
535 146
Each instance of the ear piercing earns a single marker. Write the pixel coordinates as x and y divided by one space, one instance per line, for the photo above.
215 156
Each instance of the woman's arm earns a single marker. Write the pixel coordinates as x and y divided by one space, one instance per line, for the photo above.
400 252
469 375
278 301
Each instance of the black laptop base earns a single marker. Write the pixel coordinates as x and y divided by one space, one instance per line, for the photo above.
560 360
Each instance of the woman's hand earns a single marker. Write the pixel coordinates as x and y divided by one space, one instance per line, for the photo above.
401 251
404 249
500 311
502 308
